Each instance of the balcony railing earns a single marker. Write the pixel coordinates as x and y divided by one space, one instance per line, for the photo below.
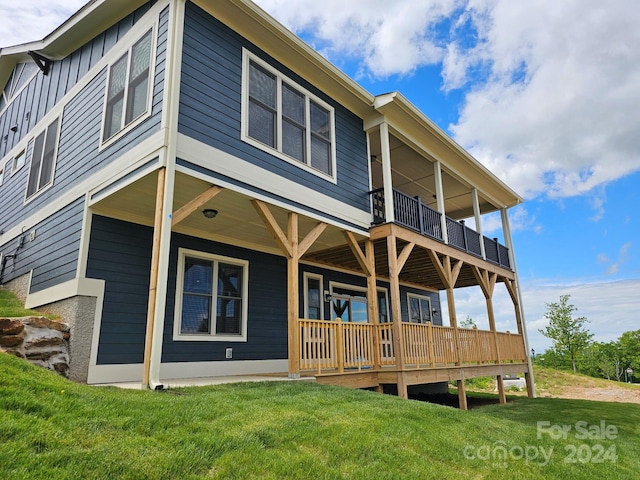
411 213
339 346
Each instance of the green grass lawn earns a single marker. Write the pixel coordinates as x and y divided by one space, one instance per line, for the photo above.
11 307
52 428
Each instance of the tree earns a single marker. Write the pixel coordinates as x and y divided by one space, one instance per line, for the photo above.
568 334
630 346
604 359
468 323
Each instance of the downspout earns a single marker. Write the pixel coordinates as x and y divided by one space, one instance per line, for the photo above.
506 228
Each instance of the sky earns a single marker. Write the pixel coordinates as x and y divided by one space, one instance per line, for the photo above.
546 94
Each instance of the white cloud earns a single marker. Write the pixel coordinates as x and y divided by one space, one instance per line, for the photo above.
32 20
557 112
386 38
553 99
611 307
614 266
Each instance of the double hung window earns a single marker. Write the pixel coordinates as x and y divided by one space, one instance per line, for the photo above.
283 118
43 159
211 297
128 87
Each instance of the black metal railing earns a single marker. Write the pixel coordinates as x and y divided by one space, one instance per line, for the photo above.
411 213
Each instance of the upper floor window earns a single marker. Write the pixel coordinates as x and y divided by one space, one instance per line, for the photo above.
284 119
128 89
43 159
419 308
1 174
211 297
18 162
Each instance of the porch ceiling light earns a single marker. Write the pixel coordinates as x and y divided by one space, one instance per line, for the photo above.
210 213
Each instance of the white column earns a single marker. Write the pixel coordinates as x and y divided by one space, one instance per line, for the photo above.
387 179
437 170
506 231
476 214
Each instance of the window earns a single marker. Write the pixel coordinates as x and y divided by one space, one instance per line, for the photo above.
419 308
128 87
284 119
211 298
1 174
383 307
18 162
314 302
43 159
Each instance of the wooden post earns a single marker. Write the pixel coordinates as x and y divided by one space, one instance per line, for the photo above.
293 249
462 395
501 394
432 361
153 280
293 297
372 293
340 345
394 290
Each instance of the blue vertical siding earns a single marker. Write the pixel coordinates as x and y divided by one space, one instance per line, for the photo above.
78 155
46 91
210 109
53 254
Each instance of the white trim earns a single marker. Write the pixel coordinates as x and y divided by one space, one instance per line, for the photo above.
10 100
126 128
418 296
45 132
185 370
177 316
114 53
211 158
87 287
315 276
248 57
22 152
85 236
2 173
151 144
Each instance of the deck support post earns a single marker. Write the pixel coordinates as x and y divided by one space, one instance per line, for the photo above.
153 280
501 394
506 229
395 267
293 249
476 215
462 395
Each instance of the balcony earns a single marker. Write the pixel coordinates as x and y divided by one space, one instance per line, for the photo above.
411 213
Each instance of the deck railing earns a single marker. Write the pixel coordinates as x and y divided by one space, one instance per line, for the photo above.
342 346
411 213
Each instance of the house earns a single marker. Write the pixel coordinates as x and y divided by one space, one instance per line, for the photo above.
199 193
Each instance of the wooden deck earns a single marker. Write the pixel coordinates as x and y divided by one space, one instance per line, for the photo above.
363 355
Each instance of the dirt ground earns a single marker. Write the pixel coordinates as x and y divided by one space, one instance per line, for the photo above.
623 395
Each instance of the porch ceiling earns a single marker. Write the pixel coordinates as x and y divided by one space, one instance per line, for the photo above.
413 174
418 270
237 222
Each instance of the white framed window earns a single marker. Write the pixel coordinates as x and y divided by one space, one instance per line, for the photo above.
2 167
211 297
43 160
128 95
383 306
313 296
419 308
18 161
283 118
